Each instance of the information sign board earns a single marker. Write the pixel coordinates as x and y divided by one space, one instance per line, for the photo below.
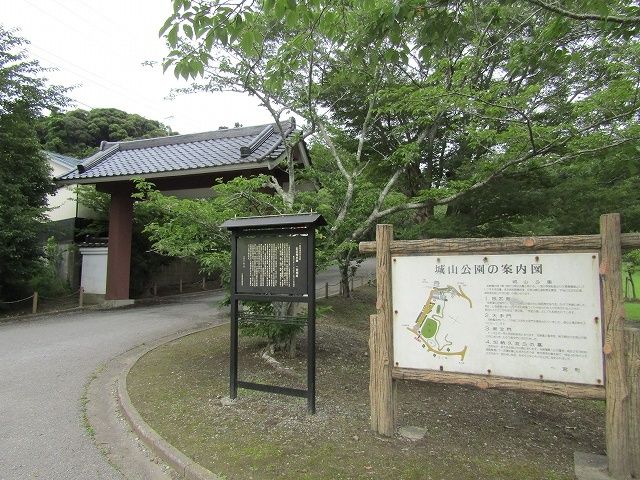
273 260
522 316
272 264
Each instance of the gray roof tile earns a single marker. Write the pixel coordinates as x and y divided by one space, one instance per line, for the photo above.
62 159
219 148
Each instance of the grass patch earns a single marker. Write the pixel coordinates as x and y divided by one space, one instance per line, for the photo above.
633 310
472 434
632 307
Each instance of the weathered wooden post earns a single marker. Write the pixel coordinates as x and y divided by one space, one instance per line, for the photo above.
180 285
616 381
34 304
326 289
632 350
81 298
381 383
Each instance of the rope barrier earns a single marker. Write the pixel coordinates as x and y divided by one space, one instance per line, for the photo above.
42 297
18 301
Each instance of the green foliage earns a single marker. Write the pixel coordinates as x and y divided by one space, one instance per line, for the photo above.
99 203
631 266
46 280
78 133
189 229
24 172
454 95
514 118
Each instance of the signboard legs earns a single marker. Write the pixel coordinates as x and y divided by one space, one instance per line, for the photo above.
311 324
623 451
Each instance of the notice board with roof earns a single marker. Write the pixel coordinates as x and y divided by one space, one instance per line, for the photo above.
273 260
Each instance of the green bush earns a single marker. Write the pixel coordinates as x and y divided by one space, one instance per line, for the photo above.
280 336
46 280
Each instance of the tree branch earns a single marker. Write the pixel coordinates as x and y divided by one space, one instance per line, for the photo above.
585 16
348 196
359 232
365 127
377 214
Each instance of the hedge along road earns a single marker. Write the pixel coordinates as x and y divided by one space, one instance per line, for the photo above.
45 363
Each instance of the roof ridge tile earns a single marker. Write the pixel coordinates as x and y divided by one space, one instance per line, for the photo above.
190 137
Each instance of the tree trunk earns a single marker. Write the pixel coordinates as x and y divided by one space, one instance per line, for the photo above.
633 286
344 279
423 214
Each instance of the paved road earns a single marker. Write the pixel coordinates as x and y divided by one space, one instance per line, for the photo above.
45 363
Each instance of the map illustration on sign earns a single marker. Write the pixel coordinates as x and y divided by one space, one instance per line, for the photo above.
433 324
531 316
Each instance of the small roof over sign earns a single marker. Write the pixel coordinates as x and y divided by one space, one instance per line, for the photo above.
275 221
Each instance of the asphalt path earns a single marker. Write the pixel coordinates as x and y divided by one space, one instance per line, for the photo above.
46 361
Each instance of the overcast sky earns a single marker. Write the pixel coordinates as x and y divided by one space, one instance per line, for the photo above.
100 45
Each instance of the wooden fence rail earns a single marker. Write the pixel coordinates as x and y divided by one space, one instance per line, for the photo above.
451 246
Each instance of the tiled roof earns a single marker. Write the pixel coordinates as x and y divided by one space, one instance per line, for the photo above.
62 160
218 150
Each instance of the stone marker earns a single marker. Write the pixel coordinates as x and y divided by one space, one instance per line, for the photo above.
589 466
412 433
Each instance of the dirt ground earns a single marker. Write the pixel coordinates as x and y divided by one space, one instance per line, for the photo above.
471 434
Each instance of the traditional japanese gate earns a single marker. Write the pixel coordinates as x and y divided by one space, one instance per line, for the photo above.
600 361
273 260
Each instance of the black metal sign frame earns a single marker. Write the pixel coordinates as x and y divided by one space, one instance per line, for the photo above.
298 295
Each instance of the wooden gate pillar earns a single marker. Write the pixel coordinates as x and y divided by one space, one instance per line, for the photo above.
119 254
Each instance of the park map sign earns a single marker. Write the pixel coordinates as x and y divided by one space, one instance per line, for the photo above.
522 316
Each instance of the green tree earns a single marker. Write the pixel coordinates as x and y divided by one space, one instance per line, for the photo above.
631 267
190 229
425 104
24 173
78 133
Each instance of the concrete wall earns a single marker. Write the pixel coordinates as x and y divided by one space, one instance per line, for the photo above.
94 270
69 267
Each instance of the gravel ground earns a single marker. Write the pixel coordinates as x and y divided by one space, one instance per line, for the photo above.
180 389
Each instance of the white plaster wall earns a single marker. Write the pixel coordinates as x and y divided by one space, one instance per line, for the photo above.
94 270
63 201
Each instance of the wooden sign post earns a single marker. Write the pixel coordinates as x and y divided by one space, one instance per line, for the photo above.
620 342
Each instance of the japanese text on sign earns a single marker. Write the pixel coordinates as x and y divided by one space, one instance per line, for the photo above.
522 315
272 264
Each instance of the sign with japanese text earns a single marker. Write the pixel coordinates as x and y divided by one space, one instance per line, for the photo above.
272 264
522 316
